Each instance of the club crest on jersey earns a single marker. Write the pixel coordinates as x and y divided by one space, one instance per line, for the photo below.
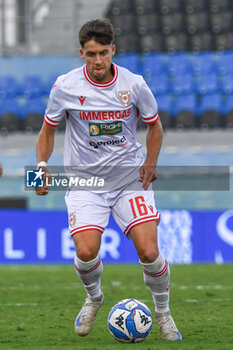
124 97
72 219
82 99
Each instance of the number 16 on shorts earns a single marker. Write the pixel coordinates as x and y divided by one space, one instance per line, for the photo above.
139 208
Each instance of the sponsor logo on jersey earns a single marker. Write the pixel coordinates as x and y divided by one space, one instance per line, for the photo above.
124 97
98 129
104 115
82 99
118 142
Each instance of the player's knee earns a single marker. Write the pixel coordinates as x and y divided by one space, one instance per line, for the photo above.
148 254
86 254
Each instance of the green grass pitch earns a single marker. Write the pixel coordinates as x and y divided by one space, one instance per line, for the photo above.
38 306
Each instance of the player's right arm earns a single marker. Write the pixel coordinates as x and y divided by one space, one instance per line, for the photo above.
44 149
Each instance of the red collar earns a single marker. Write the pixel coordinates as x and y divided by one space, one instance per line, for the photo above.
109 83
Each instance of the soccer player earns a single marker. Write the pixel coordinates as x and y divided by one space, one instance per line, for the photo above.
102 103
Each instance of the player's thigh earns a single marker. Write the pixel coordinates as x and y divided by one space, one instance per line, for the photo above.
87 244
144 237
88 217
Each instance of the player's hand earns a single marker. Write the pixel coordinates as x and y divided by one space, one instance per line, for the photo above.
147 175
42 191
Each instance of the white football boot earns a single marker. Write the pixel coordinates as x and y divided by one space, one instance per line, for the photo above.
85 319
167 326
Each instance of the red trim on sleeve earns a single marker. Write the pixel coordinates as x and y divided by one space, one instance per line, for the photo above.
50 122
151 120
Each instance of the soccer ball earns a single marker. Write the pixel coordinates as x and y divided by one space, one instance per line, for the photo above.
130 321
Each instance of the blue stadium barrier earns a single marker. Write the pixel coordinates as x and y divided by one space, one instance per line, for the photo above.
184 237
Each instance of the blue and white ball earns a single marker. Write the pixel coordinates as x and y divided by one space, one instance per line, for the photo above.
130 321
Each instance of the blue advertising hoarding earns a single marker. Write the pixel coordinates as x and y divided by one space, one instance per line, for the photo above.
42 237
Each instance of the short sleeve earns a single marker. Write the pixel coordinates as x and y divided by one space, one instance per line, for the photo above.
147 104
55 108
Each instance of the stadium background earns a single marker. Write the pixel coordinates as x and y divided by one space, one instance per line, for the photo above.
183 48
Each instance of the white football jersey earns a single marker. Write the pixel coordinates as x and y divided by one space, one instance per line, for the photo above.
101 118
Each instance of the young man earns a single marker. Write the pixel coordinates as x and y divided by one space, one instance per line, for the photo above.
93 97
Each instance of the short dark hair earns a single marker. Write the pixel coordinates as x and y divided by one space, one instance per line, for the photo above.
100 30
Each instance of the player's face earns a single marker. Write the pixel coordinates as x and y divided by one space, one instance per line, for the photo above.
98 59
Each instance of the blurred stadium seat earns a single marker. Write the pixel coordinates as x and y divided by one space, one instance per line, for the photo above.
216 6
165 104
207 83
227 84
224 63
196 23
221 22
151 43
147 24
32 86
175 42
159 84
178 63
153 64
129 61
145 7
223 41
228 111
49 84
119 7
185 110
167 6
127 43
182 84
9 115
172 23
200 42
211 109
202 63
194 6
32 114
124 24
8 87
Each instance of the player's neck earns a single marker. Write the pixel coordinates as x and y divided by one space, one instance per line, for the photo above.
109 77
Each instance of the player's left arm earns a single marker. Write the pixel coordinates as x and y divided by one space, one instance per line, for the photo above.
153 143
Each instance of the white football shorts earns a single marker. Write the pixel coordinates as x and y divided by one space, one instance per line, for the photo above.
91 210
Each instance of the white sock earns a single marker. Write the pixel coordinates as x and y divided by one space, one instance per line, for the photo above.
157 278
90 273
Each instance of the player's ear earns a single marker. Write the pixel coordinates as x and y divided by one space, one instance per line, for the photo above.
113 49
81 53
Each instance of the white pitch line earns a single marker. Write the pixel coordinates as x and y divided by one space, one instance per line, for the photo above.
21 304
116 283
206 299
